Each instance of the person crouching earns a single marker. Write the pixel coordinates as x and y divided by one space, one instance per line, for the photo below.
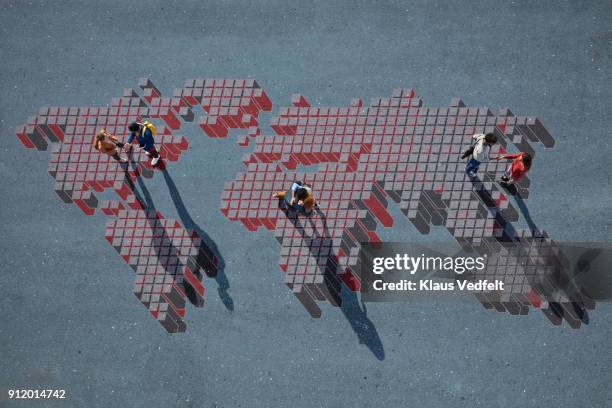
299 198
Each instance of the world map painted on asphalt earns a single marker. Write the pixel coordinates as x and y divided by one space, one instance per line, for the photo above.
361 158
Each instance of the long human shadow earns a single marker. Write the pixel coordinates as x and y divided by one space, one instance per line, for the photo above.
165 246
352 308
576 268
150 206
524 210
356 313
563 276
221 278
502 217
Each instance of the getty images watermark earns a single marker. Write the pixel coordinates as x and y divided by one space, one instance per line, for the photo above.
413 265
498 272
405 271
392 272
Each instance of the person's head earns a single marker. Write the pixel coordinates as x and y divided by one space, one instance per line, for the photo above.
309 203
527 158
99 136
134 127
301 194
490 139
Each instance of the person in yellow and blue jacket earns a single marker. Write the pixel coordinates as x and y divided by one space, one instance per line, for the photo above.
144 132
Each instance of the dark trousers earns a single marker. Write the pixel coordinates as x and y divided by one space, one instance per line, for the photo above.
153 152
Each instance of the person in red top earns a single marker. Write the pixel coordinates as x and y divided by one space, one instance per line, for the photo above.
521 163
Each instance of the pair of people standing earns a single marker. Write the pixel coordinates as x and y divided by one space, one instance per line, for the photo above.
106 142
480 151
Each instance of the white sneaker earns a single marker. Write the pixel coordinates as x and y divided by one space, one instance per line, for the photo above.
155 160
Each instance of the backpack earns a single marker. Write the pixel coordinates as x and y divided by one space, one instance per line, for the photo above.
148 125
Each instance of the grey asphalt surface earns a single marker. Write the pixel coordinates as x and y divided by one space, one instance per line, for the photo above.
69 319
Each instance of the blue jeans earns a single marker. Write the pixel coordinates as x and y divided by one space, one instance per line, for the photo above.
471 167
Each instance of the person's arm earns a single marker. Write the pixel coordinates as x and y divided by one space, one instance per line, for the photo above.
130 138
294 187
112 137
507 156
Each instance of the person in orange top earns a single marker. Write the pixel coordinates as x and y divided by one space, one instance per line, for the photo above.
106 142
521 163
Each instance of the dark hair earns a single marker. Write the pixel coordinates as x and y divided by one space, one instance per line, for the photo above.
490 138
134 127
301 193
527 158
